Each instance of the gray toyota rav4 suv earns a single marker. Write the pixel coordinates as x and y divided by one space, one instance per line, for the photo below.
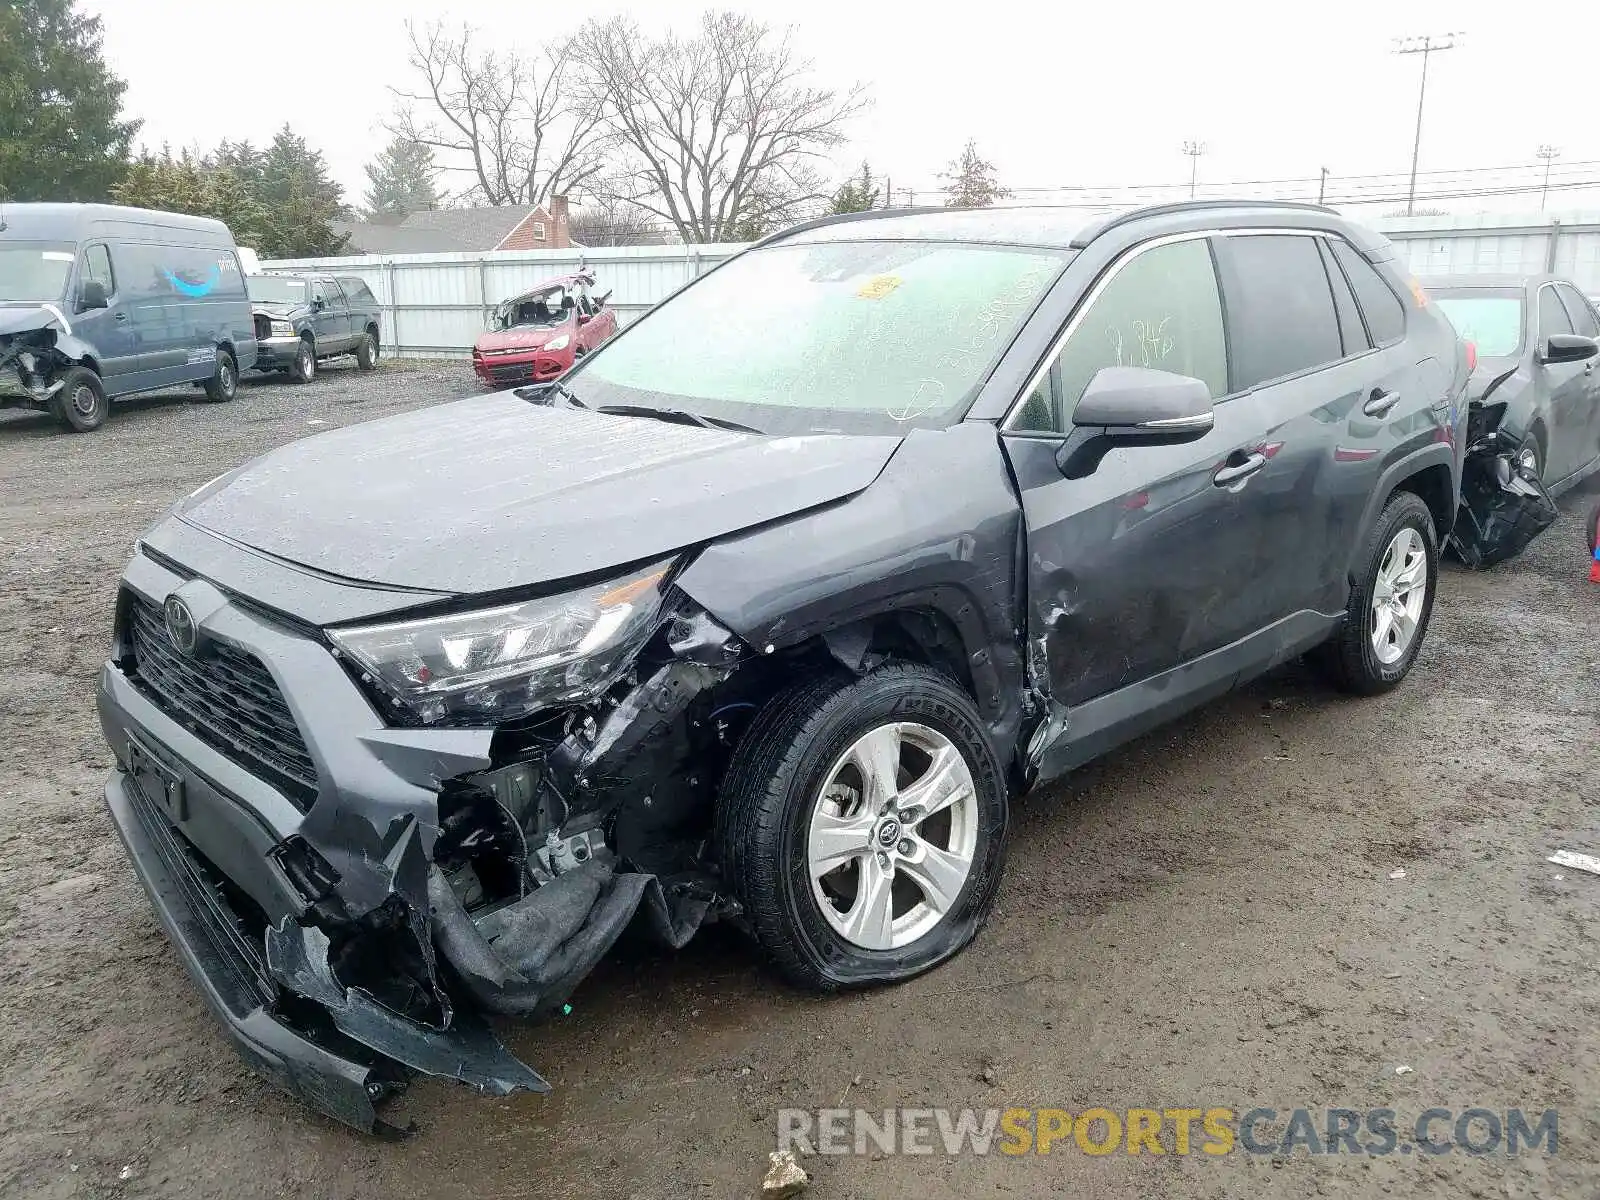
413 718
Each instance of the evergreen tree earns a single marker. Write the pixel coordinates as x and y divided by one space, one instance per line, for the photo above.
970 181
401 180
859 193
61 132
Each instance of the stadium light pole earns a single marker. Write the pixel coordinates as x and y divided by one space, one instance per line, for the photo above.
1194 150
1425 46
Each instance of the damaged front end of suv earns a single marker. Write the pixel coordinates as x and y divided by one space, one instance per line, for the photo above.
539 783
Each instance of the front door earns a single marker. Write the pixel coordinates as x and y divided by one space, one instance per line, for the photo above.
1136 569
1567 387
109 329
1586 425
330 317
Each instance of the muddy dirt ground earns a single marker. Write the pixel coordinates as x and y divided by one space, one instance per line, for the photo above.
1206 918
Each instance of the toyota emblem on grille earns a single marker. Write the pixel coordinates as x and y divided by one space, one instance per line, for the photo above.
180 625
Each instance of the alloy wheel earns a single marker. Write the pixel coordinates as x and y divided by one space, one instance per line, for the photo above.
892 836
1398 595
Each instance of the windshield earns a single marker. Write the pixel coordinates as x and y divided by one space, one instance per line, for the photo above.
1489 319
277 289
35 271
541 310
859 337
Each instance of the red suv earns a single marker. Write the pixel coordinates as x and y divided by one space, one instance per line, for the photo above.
538 335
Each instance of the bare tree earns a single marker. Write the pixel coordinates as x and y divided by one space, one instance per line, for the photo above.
719 129
607 221
521 130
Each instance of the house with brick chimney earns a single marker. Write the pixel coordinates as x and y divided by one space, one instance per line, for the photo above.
464 230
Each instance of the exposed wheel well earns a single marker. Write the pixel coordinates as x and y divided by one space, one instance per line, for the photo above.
1432 484
232 353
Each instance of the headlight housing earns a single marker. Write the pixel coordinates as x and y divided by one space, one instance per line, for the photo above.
497 664
282 329
560 342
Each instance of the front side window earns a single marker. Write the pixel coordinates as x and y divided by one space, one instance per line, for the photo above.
1578 308
1552 316
853 337
1159 310
1281 318
1489 318
97 268
35 271
1386 316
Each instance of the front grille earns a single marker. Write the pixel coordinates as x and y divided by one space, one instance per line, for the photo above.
227 698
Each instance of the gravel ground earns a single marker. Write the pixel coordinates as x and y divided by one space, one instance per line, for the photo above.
1205 918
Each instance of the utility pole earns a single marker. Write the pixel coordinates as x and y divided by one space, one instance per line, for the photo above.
1194 150
1549 154
1322 188
1424 46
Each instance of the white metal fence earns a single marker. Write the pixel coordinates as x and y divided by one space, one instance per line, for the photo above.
435 305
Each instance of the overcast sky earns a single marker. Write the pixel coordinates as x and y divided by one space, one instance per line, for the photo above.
1081 94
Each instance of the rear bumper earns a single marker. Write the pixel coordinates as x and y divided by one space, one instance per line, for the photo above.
229 969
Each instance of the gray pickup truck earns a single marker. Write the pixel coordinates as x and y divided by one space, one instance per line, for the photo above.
304 319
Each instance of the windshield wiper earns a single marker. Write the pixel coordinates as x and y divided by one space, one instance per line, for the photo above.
679 416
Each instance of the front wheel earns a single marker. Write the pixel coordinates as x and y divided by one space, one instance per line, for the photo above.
304 367
862 825
80 403
224 382
1389 607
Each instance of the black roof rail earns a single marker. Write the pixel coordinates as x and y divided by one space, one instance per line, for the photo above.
1090 232
843 218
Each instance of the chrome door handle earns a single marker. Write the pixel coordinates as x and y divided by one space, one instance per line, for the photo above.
1239 471
1380 402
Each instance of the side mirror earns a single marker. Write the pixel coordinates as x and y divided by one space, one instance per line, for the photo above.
1569 347
91 294
318 304
1134 406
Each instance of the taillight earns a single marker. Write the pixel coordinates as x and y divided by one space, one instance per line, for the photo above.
1472 355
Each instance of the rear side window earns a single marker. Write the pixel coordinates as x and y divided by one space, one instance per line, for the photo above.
1578 308
1386 316
1281 318
1552 316
1160 310
357 290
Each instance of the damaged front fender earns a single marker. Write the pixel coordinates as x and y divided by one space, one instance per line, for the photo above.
1504 504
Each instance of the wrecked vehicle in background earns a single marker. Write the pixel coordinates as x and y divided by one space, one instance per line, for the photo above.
1504 504
413 718
99 301
538 335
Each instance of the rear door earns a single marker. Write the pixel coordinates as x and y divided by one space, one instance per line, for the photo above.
1566 387
1586 426
1136 568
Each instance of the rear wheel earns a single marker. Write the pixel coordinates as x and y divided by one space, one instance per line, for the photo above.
367 351
80 403
224 382
1389 608
862 825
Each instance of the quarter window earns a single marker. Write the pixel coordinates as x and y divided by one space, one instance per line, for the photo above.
1351 331
1552 316
1386 316
1160 310
1281 318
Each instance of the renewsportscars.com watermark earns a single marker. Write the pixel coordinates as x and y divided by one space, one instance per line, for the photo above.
1180 1131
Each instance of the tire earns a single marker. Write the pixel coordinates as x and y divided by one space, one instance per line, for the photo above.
785 776
304 367
367 351
224 382
1357 657
80 404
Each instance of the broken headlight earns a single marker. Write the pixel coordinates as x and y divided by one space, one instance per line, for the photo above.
500 663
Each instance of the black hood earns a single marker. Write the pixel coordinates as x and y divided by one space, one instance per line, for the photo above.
280 311
495 492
